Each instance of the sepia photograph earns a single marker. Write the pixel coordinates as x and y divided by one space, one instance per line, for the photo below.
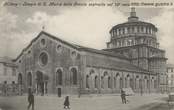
86 55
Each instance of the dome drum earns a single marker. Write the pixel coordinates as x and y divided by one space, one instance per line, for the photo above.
133 30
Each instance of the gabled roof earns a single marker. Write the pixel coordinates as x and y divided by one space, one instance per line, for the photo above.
119 65
77 47
122 66
112 54
49 35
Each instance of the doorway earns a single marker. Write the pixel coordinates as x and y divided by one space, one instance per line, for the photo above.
59 92
39 83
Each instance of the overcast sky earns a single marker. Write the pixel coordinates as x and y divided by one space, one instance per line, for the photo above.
87 26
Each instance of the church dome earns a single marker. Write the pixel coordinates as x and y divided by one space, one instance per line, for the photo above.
133 26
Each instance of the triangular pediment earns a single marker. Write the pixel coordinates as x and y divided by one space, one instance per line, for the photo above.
50 37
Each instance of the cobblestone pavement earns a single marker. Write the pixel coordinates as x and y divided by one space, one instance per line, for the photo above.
102 102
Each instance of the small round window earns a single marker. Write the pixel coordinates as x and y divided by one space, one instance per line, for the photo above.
73 54
29 52
43 42
59 48
43 59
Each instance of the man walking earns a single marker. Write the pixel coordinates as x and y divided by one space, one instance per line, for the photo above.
66 103
30 100
123 96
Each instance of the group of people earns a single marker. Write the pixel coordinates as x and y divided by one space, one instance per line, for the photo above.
66 102
31 101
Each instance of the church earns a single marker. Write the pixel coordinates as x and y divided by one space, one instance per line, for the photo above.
132 59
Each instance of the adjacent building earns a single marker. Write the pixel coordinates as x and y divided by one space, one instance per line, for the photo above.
170 74
8 75
8 71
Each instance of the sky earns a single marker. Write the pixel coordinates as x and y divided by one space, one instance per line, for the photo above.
86 26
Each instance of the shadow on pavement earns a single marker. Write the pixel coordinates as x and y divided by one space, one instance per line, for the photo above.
5 107
156 106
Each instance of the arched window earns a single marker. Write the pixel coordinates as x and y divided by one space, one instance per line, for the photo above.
155 83
119 31
148 82
118 84
96 82
20 79
140 83
128 30
123 31
137 82
126 82
115 82
151 83
147 29
138 29
59 77
91 71
145 82
102 82
109 82
74 75
87 81
131 83
121 83
43 41
29 79
142 29
133 29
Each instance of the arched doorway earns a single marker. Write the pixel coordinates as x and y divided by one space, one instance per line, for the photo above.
109 82
59 82
39 83
102 82
145 82
29 80
121 83
59 77
137 82
20 84
19 79
92 79
118 84
96 82
87 81
127 81
131 83
106 78
74 76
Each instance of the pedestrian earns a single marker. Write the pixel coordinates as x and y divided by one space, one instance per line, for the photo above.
30 100
123 96
66 103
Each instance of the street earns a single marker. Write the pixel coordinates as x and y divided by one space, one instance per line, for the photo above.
102 102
